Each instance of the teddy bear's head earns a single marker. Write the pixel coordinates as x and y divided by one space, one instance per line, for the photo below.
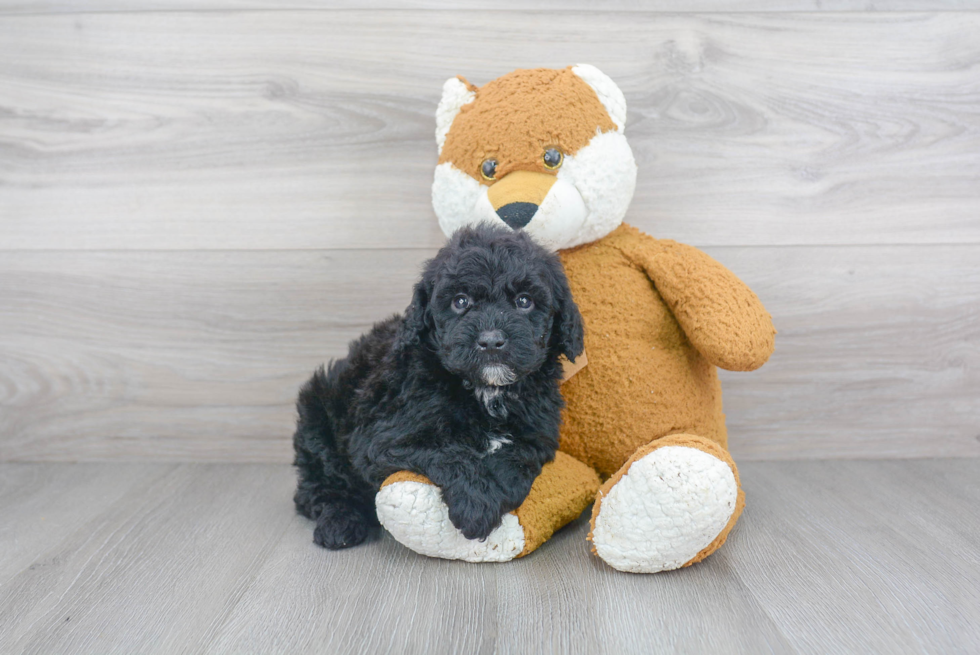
539 149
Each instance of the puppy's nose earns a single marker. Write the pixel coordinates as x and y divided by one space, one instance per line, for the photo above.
491 340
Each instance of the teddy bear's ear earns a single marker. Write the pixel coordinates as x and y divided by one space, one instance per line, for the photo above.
456 92
609 94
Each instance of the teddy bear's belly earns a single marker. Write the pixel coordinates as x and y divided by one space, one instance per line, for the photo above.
644 379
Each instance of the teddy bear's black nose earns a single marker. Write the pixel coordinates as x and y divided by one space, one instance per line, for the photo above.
517 214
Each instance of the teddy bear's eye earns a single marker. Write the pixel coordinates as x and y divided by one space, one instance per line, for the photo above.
552 158
489 169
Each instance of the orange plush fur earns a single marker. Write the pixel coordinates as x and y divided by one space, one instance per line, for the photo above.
516 116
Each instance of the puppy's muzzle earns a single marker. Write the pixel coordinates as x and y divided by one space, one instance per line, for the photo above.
517 196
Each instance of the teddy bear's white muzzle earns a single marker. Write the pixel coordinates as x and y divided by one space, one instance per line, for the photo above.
561 215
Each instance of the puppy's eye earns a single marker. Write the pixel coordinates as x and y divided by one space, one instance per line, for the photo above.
489 169
553 158
461 302
524 301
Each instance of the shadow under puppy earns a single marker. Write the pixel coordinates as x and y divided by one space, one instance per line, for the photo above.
463 389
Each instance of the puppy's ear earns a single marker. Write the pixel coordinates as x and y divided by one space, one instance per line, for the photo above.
417 322
567 330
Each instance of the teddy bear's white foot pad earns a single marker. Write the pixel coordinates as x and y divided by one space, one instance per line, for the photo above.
669 506
415 515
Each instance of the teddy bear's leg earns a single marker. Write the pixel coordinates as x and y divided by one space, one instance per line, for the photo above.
411 508
671 505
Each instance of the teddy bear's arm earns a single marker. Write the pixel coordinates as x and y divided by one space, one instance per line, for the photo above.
721 316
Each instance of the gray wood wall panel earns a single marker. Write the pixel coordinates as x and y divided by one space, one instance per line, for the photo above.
197 207
198 355
292 129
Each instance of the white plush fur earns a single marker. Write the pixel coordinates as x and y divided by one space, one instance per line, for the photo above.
588 201
562 213
454 96
459 200
415 515
609 94
669 506
604 173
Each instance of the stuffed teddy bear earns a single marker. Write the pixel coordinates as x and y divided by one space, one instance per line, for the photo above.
644 435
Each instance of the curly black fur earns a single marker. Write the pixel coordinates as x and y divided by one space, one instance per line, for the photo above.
467 396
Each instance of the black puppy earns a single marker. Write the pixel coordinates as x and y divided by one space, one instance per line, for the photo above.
462 390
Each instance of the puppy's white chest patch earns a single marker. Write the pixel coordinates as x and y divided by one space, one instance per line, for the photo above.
497 442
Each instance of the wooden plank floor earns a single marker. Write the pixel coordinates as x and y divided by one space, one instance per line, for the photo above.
844 556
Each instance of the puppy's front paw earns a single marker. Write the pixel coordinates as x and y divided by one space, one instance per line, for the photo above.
472 515
340 526
413 510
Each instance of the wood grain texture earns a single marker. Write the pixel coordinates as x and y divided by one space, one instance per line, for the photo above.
306 129
39 505
188 538
20 7
197 356
177 356
874 545
877 353
871 556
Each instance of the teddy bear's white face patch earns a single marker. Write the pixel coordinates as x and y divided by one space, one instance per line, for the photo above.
459 200
587 201
604 173
563 212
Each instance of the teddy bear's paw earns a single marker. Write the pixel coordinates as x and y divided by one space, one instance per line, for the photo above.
669 506
415 515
